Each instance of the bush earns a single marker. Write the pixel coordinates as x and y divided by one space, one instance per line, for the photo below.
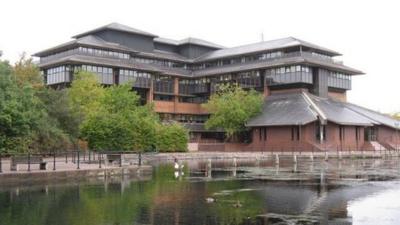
172 138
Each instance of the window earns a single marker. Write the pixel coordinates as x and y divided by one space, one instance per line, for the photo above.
263 134
295 133
358 136
320 131
342 133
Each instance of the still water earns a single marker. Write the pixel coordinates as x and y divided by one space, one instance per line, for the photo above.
218 192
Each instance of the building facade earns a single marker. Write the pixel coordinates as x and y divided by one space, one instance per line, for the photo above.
305 87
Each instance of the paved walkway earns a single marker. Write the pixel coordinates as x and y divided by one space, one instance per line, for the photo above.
61 165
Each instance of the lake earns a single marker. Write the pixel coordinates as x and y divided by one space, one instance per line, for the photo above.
229 192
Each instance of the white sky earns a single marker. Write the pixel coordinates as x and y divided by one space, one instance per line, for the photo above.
365 32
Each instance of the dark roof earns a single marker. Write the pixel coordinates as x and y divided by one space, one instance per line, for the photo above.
284 109
301 108
376 117
263 46
197 41
277 62
89 40
189 40
118 63
338 113
117 27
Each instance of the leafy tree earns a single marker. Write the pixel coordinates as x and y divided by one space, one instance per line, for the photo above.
172 137
120 124
26 72
85 94
231 107
20 113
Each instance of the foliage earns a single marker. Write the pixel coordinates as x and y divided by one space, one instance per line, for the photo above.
396 116
20 112
231 107
26 72
32 116
172 137
85 94
120 124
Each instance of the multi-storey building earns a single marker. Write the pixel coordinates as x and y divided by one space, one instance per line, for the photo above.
305 87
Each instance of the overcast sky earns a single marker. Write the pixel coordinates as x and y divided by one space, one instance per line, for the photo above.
366 32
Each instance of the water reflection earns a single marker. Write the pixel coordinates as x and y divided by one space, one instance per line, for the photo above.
255 192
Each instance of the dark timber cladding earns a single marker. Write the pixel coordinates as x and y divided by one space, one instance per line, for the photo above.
305 86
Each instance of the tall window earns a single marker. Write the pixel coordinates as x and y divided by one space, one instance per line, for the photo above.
295 133
342 133
358 136
320 131
263 134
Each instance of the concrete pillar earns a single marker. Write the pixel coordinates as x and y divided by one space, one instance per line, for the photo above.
209 168
277 159
150 94
176 93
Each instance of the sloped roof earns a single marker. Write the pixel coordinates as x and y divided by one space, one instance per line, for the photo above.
189 40
284 109
89 40
262 46
376 117
338 113
117 27
198 41
294 109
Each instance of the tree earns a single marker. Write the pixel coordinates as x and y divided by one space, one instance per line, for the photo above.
26 72
120 124
231 107
172 137
85 94
20 113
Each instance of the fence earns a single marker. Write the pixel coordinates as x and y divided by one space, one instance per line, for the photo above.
58 159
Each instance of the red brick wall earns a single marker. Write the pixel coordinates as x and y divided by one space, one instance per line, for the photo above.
279 139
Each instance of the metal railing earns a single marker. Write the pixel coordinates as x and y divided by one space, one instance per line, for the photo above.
56 159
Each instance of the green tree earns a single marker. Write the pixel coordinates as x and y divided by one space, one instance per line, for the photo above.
120 124
20 113
85 94
172 138
26 72
231 107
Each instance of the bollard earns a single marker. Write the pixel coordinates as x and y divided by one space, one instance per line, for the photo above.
209 168
140 158
54 160
326 156
312 157
120 160
295 158
276 159
84 156
234 162
89 156
99 160
29 161
66 157
340 155
1 165
77 165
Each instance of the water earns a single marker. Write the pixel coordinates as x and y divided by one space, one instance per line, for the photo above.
255 192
